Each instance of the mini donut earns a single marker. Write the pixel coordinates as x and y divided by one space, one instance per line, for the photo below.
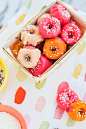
65 96
42 65
61 13
49 27
53 48
60 39
70 33
16 48
30 35
77 111
42 17
29 56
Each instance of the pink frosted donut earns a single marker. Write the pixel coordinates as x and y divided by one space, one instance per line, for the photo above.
49 27
42 65
30 35
61 13
70 33
60 39
29 56
42 17
65 96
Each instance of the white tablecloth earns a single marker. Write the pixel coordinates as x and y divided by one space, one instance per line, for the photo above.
37 103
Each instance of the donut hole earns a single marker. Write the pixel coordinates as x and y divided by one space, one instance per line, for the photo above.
50 26
28 57
53 48
31 31
81 112
70 34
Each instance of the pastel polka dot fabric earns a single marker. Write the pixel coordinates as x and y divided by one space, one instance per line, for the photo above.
37 101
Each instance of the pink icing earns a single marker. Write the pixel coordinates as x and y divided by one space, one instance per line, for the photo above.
61 13
34 56
65 96
60 39
42 17
70 33
49 27
41 67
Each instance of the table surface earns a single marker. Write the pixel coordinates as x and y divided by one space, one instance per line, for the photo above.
37 101
8 8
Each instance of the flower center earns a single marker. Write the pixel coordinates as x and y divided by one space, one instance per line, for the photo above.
28 57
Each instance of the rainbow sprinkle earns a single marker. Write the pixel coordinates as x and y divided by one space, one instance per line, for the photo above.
28 57
1 76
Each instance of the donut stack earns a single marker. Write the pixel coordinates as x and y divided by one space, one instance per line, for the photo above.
46 41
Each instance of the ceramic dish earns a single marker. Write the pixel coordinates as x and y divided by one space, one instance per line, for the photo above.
5 72
15 113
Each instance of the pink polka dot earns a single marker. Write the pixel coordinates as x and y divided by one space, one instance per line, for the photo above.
75 9
28 119
58 113
40 104
3 28
84 98
85 78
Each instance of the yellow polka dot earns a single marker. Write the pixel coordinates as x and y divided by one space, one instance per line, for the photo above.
20 19
77 71
21 76
81 48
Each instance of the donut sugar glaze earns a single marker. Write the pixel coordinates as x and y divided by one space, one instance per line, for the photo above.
29 56
70 33
77 111
61 13
65 96
53 48
42 65
49 27
42 17
30 36
16 48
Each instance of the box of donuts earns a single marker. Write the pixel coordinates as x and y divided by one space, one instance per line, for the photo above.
46 41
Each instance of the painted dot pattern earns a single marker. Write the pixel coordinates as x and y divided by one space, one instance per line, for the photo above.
44 125
20 19
40 84
40 104
77 71
58 113
20 95
21 76
81 48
